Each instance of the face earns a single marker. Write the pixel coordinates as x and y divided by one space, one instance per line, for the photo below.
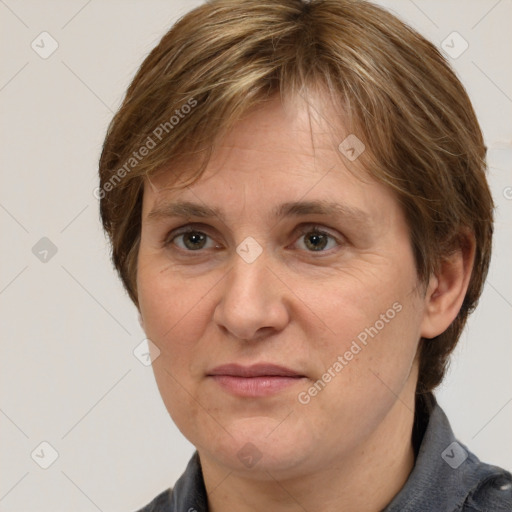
285 304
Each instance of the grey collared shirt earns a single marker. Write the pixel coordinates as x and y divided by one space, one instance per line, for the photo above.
446 477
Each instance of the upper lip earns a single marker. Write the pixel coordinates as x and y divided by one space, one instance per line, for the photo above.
255 370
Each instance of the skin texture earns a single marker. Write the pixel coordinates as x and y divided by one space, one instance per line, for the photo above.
350 445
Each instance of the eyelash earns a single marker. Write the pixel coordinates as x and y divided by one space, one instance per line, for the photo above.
302 231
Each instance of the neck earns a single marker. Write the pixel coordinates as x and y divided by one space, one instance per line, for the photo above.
364 481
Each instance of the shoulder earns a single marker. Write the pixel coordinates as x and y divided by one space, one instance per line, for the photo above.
162 503
493 492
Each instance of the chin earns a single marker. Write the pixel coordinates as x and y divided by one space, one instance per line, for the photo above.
258 446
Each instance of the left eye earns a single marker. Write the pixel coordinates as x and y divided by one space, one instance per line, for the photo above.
316 240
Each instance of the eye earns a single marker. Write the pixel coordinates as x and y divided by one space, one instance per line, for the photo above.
313 239
190 239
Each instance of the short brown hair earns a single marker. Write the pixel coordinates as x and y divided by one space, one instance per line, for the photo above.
396 92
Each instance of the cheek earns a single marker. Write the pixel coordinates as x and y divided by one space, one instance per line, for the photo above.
366 366
172 306
175 314
359 303
373 329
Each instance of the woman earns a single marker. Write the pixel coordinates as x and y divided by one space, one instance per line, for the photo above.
296 198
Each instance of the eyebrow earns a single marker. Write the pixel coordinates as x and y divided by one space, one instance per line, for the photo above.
188 209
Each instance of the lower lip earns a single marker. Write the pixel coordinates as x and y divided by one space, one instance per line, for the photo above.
255 386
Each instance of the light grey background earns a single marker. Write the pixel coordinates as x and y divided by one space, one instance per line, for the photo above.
68 373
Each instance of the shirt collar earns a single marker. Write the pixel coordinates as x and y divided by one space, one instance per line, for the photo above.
445 470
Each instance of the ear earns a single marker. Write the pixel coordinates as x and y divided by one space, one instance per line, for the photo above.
447 288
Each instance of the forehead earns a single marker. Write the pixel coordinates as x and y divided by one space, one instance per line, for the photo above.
276 154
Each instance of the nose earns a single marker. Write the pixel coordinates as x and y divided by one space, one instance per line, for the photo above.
253 303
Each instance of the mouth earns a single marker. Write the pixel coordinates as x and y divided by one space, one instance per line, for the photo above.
257 380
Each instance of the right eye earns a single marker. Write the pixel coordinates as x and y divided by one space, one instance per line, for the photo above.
189 239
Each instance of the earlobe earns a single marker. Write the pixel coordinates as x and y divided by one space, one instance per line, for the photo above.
447 288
